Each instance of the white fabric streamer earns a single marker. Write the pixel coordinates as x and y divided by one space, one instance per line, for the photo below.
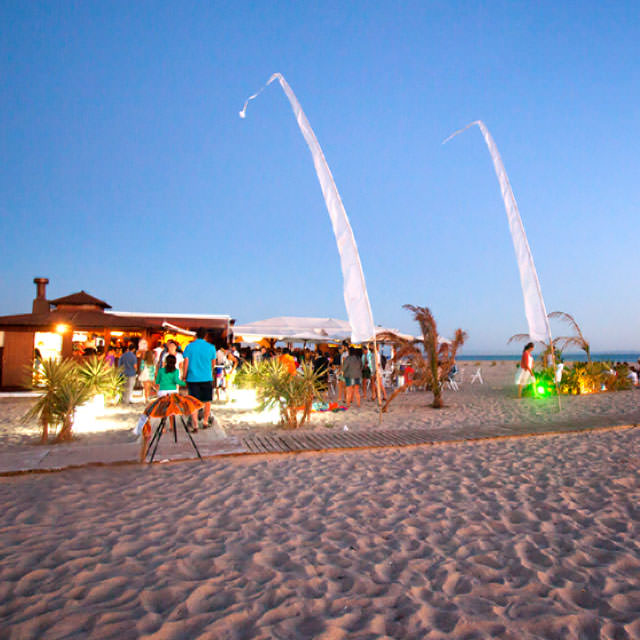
356 297
539 329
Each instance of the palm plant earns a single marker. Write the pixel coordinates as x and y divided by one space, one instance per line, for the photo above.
72 393
114 384
67 385
53 375
277 388
560 343
431 369
102 378
577 340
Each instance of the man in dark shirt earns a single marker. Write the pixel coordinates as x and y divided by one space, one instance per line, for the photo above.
129 364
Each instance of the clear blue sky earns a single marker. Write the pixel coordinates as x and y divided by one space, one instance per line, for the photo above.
127 172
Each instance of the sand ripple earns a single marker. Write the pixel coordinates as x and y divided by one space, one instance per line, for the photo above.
529 538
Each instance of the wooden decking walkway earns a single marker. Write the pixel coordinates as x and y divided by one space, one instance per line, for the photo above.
284 443
316 441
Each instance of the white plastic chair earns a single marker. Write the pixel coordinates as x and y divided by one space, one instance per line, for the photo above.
450 383
477 376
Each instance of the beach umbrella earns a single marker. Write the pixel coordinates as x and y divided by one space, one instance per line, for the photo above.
171 406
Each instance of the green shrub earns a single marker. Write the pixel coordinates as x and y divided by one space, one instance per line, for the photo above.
591 377
101 378
64 389
277 388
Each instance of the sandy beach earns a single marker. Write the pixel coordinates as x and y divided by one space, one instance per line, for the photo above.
526 538
531 537
492 404
491 407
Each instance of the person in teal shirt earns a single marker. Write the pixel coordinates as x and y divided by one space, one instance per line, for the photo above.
199 360
168 378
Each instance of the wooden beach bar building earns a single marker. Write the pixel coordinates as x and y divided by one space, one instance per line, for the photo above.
59 328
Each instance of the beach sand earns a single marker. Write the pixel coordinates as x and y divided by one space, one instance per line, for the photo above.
489 408
534 537
492 405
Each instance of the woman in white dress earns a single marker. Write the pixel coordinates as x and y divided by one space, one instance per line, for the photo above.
526 369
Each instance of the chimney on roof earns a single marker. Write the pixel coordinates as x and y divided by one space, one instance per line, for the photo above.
40 302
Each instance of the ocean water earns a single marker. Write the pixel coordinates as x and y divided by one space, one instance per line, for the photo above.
614 356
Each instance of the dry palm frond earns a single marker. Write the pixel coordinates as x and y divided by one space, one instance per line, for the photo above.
549 347
578 340
432 368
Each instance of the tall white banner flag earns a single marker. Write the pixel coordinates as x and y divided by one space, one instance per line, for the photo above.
356 297
534 308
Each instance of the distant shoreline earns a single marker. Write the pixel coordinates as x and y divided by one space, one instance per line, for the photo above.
630 356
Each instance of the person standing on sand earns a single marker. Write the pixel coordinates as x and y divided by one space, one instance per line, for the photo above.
367 371
352 372
147 374
199 360
129 364
343 353
526 368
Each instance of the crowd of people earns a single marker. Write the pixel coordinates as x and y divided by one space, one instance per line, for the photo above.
201 369
350 373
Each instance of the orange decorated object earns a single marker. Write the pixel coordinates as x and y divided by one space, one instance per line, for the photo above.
173 404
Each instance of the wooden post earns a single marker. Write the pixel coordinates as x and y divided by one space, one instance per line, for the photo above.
107 340
67 343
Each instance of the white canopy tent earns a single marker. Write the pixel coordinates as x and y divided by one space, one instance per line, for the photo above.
296 329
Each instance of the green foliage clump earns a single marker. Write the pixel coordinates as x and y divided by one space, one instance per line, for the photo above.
591 377
277 388
66 385
101 378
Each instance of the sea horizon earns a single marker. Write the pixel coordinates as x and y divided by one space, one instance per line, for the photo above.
603 356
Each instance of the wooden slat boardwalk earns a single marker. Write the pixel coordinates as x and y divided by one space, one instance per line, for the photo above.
326 440
314 441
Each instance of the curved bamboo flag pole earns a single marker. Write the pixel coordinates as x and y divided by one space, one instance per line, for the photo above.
539 330
356 297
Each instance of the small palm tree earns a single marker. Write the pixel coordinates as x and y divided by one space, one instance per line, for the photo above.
577 340
276 387
561 342
51 376
66 385
102 378
72 393
433 368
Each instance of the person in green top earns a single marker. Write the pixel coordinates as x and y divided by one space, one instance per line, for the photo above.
168 378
